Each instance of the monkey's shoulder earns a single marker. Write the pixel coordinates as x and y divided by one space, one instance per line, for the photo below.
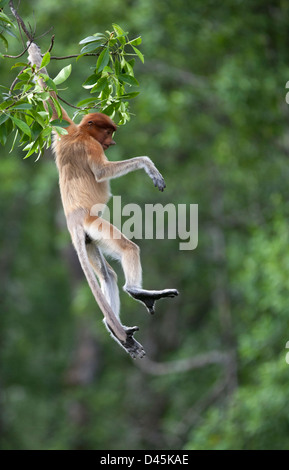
72 146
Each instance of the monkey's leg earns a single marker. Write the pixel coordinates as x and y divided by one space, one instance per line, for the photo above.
122 334
116 244
106 275
108 280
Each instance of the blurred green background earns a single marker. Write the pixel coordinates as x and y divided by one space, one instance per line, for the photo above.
212 115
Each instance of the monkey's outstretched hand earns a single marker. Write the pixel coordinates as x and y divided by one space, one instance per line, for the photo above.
154 174
158 180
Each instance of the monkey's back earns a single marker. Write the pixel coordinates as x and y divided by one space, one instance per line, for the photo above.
78 186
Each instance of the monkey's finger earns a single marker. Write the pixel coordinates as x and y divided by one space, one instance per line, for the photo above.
159 182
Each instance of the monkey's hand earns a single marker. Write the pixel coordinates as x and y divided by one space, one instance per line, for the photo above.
154 174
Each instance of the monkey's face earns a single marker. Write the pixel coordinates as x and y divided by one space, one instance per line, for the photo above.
102 135
100 127
105 138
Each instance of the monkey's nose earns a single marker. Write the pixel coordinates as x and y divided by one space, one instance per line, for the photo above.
113 142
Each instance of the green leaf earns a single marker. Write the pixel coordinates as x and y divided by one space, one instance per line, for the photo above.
107 70
91 81
46 132
5 18
49 82
120 33
63 75
38 117
36 129
100 85
57 106
136 41
96 37
4 118
59 123
91 47
129 68
33 146
14 140
86 101
117 67
6 103
103 59
140 55
110 110
60 130
20 64
128 79
22 106
105 94
4 40
45 61
22 126
129 96
24 76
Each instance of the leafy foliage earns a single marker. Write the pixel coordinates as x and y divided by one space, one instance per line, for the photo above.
22 110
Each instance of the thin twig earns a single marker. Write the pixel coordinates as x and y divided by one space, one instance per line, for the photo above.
68 104
44 34
19 55
16 79
20 21
52 43
73 56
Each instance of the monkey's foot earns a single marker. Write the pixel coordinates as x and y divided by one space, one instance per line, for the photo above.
148 297
134 348
131 346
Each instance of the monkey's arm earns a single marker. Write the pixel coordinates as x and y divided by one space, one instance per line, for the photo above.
108 170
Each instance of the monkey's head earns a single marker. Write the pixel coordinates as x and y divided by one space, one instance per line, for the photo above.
100 127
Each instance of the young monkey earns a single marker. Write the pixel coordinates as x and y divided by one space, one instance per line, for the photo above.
84 174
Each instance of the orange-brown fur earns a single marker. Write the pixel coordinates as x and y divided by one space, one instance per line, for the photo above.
84 174
75 154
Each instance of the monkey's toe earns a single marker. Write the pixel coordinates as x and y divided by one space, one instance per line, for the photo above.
134 348
171 293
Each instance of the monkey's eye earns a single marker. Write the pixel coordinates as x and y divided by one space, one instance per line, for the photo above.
90 122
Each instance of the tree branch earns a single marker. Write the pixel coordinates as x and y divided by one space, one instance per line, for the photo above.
20 21
30 37
52 43
91 54
183 365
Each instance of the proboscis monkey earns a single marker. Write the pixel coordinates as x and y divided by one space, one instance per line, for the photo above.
84 174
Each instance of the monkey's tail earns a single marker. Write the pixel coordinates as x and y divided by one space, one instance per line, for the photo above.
78 237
